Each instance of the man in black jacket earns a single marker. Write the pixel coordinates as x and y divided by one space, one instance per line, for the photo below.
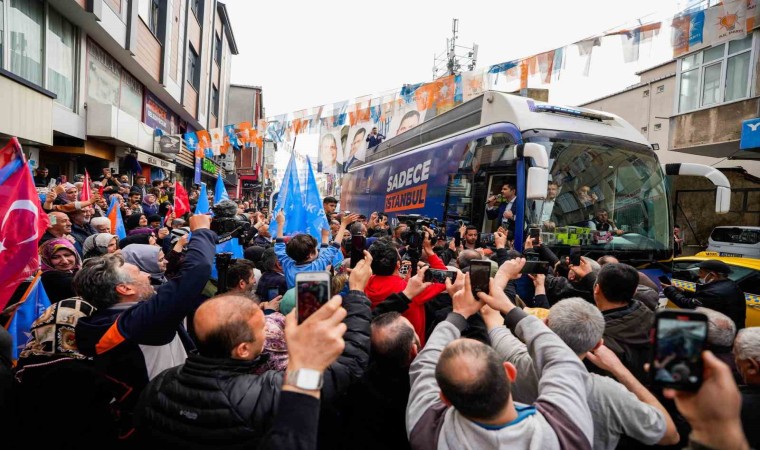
715 292
215 401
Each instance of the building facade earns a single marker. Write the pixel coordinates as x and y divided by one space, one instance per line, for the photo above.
246 105
691 109
89 84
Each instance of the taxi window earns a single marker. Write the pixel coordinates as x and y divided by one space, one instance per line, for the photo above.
751 284
688 271
736 235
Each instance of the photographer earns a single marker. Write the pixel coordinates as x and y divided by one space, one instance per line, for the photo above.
386 280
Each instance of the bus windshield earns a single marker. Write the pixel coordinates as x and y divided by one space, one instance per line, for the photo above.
605 195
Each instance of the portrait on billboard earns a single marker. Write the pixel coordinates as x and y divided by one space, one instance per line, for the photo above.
330 158
356 147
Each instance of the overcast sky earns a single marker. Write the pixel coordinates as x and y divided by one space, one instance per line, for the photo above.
309 53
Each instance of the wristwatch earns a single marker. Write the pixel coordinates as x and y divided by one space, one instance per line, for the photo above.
306 379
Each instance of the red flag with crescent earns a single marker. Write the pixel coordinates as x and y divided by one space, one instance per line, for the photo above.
181 200
86 188
19 204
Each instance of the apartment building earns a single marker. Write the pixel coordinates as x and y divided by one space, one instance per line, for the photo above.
88 84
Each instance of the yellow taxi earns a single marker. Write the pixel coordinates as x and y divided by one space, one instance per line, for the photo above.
744 271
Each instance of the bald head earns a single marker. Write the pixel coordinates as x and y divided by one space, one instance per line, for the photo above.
607 259
472 377
224 322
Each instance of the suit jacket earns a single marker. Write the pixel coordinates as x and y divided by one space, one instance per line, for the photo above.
495 214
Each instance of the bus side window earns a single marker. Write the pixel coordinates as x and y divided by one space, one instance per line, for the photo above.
458 200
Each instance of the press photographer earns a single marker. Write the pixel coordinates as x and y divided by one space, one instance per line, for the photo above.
228 224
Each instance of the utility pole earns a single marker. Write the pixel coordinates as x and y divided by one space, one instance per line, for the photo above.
451 63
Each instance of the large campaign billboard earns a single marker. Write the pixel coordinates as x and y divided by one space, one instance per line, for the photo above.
411 183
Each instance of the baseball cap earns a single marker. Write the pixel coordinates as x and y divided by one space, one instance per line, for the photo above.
713 265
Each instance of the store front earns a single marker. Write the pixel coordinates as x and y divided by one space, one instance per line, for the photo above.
155 167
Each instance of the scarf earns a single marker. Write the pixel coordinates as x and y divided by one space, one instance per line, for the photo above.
145 257
49 248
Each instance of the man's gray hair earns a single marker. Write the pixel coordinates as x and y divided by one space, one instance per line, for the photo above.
747 344
595 267
466 256
96 281
577 322
721 330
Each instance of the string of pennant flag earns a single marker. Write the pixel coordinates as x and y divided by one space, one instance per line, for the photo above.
218 141
691 30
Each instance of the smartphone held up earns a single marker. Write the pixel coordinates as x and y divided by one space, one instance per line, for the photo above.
678 341
312 291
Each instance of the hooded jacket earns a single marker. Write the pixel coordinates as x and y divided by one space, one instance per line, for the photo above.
626 333
381 287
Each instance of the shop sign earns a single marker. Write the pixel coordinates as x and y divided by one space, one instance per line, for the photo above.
209 166
168 143
156 162
750 137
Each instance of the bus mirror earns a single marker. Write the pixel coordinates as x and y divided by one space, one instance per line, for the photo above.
722 185
538 179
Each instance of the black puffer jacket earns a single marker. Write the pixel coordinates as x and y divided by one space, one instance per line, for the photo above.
723 296
626 332
218 403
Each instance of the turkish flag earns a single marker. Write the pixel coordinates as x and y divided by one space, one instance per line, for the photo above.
86 188
22 221
181 200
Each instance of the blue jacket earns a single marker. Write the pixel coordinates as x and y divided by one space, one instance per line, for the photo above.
132 342
374 141
328 255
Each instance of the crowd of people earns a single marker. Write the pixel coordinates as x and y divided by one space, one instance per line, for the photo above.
140 347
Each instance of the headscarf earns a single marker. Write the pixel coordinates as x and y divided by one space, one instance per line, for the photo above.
133 221
140 230
52 334
97 244
134 239
49 248
274 344
145 257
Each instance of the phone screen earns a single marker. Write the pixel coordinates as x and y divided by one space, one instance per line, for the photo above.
680 337
534 233
536 267
358 242
272 293
575 255
439 276
312 294
480 275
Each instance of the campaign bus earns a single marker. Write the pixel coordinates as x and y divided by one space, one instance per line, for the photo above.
568 166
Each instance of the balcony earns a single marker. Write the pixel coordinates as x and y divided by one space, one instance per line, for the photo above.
712 132
115 127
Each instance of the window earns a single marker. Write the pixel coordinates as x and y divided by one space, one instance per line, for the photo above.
644 129
716 75
657 127
60 43
661 89
646 93
26 25
2 31
110 84
215 101
217 48
193 68
153 18
195 6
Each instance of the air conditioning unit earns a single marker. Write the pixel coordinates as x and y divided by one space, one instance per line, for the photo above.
229 165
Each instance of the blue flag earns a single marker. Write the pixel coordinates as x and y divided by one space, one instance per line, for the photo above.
34 302
202 207
315 217
290 200
114 215
233 246
220 192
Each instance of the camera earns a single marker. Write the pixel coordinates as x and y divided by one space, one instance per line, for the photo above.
227 224
415 235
